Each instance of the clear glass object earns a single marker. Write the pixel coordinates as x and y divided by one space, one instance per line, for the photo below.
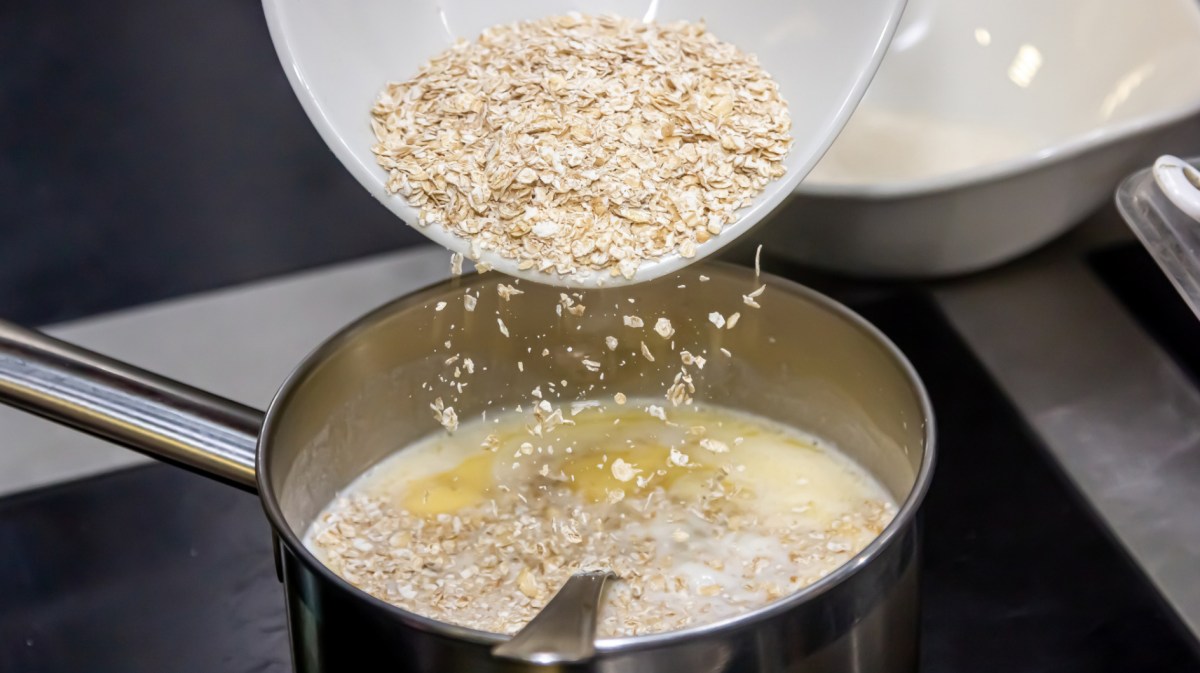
1156 203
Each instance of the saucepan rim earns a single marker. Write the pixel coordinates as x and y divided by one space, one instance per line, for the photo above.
904 517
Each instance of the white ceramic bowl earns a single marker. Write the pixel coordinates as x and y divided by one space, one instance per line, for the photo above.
340 53
992 127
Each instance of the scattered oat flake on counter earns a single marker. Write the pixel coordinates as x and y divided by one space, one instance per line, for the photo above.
690 129
440 305
716 319
656 411
619 398
632 321
758 261
469 302
733 320
611 342
456 262
503 327
714 445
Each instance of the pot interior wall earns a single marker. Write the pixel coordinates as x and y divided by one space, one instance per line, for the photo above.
798 360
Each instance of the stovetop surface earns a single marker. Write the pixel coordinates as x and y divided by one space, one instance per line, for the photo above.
154 569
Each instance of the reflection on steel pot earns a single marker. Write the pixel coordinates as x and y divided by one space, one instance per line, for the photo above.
805 361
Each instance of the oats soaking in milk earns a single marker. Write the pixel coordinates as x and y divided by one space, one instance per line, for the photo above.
705 517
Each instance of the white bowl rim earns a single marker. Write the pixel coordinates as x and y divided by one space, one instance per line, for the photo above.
1072 147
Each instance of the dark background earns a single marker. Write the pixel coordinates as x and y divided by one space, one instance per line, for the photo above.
151 149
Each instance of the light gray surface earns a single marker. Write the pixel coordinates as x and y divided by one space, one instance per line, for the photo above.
1110 405
240 343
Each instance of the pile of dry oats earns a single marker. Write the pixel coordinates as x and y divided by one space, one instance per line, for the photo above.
493 566
579 144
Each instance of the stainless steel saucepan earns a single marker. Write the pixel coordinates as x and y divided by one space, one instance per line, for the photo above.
801 359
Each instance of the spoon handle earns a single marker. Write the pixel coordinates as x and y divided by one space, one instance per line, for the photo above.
565 630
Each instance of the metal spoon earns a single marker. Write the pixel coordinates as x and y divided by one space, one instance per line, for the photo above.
565 630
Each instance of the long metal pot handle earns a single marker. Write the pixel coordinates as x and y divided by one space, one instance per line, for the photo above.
137 409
